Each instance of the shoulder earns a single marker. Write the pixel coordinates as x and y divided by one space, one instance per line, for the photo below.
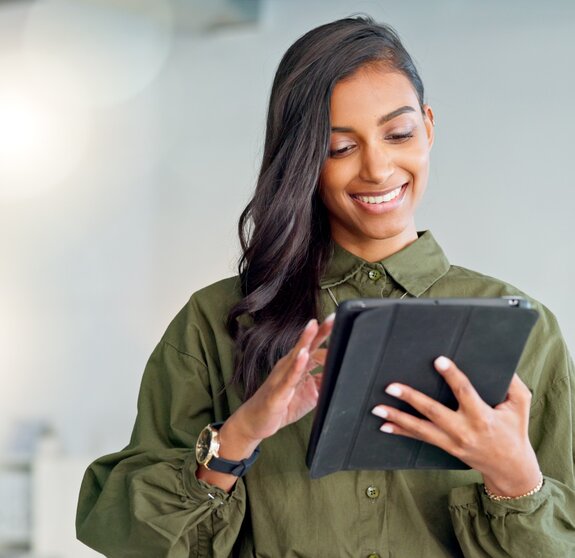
468 282
545 361
200 326
218 298
460 281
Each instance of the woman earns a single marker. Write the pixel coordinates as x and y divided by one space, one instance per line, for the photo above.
345 165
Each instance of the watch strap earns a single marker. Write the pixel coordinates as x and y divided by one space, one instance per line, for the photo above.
236 468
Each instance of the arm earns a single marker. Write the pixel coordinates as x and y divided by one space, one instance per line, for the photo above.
151 499
287 395
145 500
497 443
538 525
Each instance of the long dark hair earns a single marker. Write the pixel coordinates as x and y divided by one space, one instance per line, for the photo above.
284 230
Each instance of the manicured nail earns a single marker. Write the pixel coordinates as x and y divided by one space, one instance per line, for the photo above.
310 323
394 390
386 428
330 318
442 363
379 412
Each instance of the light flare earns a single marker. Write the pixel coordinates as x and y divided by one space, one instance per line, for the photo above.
42 140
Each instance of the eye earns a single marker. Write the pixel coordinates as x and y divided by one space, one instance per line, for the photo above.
399 137
341 151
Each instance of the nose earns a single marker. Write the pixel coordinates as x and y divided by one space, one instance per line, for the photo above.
376 164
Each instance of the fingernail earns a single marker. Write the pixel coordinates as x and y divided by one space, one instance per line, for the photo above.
330 318
310 323
379 412
386 428
394 390
442 363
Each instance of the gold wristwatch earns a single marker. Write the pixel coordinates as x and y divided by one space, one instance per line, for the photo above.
207 453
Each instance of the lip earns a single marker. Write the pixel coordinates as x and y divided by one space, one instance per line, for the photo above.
379 208
378 192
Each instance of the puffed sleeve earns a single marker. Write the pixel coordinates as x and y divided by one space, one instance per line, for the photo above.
145 501
541 525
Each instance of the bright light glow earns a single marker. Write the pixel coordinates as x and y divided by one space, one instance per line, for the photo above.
24 128
77 56
98 52
41 140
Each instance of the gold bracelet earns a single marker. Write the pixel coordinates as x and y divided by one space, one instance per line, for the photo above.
498 498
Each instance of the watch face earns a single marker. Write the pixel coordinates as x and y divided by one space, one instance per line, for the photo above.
203 445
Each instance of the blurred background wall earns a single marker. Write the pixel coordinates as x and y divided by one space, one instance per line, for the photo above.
130 137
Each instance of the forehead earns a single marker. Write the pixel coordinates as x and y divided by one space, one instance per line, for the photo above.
370 92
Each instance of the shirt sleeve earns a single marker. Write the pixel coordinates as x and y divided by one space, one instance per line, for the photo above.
542 524
146 501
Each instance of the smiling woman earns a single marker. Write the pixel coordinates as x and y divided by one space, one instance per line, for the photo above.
345 165
378 162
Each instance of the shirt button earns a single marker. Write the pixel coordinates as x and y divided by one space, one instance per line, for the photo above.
372 492
374 274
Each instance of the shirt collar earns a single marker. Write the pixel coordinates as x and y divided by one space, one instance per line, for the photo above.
415 268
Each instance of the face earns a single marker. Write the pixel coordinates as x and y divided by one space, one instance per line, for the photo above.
378 163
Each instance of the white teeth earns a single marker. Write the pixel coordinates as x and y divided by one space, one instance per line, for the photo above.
380 199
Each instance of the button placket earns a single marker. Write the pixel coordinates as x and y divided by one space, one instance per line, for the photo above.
372 504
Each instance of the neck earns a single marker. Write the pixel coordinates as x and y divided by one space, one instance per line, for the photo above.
374 250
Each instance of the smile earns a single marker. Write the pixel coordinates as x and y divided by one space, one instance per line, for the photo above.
381 198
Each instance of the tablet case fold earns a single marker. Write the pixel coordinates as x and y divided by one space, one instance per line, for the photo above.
377 342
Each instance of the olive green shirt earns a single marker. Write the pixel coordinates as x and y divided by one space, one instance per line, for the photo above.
145 501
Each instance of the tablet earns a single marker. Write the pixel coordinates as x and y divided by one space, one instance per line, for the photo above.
375 342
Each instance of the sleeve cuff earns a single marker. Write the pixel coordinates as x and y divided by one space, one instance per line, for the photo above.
201 492
473 496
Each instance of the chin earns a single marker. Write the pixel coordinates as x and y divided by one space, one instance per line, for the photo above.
389 232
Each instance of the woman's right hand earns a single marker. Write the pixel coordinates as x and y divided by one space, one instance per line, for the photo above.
290 391
287 394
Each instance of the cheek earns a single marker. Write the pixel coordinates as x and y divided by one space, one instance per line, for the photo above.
417 162
334 177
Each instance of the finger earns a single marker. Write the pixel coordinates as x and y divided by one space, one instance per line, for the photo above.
305 340
462 388
405 424
318 379
309 333
285 365
317 358
323 332
297 369
309 386
433 410
518 393
288 369
298 359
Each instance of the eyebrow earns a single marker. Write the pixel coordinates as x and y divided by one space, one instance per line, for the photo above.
382 120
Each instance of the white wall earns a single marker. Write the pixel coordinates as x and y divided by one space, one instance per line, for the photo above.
94 268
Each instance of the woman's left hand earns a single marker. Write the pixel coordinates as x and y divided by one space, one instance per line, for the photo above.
492 440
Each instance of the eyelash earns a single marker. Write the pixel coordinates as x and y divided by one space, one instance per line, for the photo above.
339 152
399 138
394 138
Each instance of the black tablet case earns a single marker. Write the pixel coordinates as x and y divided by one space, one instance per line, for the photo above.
376 342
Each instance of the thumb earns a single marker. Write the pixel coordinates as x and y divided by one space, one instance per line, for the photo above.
518 393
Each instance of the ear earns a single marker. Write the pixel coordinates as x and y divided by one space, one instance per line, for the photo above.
429 122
